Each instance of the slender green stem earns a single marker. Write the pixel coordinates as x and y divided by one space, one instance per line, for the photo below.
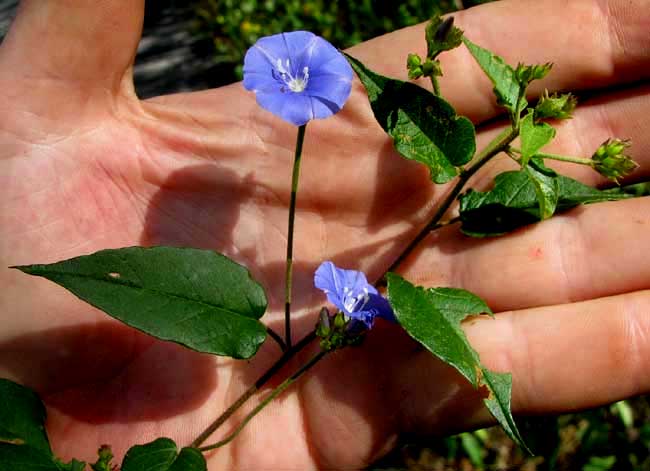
499 144
275 393
246 395
275 336
435 85
562 158
292 215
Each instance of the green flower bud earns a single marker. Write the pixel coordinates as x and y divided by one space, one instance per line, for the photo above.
610 160
442 36
443 30
527 73
414 66
324 326
418 69
555 106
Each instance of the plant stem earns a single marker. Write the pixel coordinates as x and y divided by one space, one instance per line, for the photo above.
562 158
499 144
435 85
275 393
246 395
292 215
275 336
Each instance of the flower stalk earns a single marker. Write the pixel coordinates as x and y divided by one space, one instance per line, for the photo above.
499 144
275 393
288 286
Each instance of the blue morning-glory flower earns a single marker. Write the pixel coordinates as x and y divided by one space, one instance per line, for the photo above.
351 293
297 76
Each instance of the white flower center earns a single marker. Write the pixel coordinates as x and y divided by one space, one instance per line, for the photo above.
296 84
355 303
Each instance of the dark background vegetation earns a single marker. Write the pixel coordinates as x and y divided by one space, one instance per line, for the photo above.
190 45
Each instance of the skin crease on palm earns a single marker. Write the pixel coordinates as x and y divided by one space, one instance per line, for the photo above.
85 165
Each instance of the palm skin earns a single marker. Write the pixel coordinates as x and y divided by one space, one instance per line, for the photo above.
85 165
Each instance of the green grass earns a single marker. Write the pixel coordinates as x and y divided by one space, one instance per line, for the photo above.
229 27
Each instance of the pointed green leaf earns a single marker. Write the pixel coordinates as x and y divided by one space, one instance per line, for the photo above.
546 186
424 127
533 137
498 402
197 298
513 203
506 86
435 322
162 455
22 417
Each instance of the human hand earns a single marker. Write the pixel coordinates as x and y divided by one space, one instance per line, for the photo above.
86 166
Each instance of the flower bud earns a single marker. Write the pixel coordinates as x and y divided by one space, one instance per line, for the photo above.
555 106
527 73
414 66
442 32
611 161
324 327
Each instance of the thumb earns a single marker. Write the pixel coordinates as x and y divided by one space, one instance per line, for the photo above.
80 44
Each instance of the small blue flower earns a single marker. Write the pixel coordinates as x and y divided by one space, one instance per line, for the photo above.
297 76
349 291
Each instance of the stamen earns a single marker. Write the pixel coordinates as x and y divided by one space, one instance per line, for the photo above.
295 84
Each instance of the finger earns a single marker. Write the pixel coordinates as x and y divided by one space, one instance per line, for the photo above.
562 358
592 44
592 251
80 44
621 114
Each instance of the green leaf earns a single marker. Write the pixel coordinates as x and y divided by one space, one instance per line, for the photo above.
197 298
597 463
533 137
507 88
424 127
22 417
458 302
162 455
546 187
74 465
435 321
27 458
473 448
513 203
498 403
24 444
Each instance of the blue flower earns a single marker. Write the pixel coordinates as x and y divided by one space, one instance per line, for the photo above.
298 76
349 291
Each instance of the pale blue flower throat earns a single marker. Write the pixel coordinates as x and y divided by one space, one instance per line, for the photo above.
296 84
355 303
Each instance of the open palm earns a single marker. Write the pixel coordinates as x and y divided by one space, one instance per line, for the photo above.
85 165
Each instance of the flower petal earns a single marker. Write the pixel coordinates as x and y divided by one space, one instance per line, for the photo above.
322 57
295 108
258 73
380 307
298 76
330 89
329 279
297 45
